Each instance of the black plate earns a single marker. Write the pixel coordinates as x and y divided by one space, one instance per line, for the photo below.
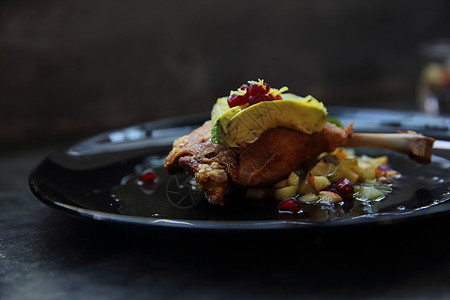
97 179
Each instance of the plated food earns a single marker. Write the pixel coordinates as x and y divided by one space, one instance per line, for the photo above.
282 146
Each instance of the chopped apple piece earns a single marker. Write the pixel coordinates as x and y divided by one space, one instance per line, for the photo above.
319 183
369 193
285 192
345 172
323 169
351 175
309 197
306 188
293 179
381 160
329 197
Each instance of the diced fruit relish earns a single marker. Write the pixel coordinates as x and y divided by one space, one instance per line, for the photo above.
336 179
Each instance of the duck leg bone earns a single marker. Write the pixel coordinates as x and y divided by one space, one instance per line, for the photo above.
416 146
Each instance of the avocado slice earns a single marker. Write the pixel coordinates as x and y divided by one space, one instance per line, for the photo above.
240 125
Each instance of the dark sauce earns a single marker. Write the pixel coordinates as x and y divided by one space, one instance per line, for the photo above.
176 196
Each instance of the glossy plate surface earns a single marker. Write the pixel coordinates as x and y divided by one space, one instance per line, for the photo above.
98 179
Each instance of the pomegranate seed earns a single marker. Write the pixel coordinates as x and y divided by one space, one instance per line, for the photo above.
256 90
289 205
148 176
272 97
255 93
244 87
256 99
235 100
343 188
148 180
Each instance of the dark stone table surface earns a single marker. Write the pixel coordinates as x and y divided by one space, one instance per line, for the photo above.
45 254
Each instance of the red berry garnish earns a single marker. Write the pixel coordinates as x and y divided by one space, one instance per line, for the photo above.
256 90
289 205
235 100
343 188
256 99
244 87
254 93
148 176
148 180
272 97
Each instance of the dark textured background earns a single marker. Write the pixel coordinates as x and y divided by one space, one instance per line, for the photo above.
71 68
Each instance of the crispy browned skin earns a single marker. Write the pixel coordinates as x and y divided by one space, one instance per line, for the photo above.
279 151
196 154
271 158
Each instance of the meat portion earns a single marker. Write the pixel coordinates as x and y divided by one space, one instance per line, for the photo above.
274 155
279 151
196 154
271 158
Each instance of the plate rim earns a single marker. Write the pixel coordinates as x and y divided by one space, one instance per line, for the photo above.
233 225
230 225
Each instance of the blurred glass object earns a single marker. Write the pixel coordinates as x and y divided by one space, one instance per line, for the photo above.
433 93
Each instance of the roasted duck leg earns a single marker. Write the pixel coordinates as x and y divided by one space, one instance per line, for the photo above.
274 155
